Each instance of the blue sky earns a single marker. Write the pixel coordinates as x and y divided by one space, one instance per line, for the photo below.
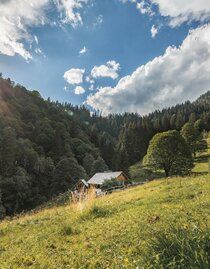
110 44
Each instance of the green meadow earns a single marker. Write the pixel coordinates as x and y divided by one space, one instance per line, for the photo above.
164 223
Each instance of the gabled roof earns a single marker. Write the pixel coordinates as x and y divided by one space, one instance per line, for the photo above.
99 178
84 182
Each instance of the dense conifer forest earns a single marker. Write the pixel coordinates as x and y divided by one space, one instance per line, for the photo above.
46 146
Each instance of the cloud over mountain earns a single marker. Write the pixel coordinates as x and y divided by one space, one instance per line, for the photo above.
74 76
179 74
110 69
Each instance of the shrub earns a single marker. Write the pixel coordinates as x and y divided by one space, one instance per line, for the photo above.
111 183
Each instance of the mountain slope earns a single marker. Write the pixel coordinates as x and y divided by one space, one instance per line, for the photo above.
159 225
45 147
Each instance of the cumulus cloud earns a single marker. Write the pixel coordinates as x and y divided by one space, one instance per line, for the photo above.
154 31
183 11
178 75
79 90
74 76
177 11
84 50
110 69
18 16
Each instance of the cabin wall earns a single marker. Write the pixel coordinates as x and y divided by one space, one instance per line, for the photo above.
121 178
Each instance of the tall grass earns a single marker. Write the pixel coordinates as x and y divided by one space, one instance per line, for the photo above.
182 247
84 201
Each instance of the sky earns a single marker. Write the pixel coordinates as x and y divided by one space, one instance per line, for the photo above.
114 56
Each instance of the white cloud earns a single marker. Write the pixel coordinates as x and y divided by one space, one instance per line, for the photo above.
91 88
74 76
18 16
178 75
36 39
110 69
125 1
99 20
177 11
154 31
84 50
40 52
79 90
181 11
89 80
145 8
70 9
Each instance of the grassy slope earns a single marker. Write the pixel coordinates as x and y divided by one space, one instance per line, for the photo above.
159 225
140 173
202 165
117 232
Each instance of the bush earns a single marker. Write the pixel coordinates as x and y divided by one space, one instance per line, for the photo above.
111 183
68 230
95 212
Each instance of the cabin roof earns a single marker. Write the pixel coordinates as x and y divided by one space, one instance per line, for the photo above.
99 178
84 182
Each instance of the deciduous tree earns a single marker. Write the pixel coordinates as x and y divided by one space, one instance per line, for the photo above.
169 151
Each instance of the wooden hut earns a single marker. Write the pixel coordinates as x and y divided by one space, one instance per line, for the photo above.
82 185
99 178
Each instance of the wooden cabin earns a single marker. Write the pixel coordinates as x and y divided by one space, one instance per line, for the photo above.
99 178
82 185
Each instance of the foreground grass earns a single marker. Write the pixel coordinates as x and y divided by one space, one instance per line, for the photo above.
158 225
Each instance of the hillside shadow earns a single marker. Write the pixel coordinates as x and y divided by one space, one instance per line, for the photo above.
202 158
199 173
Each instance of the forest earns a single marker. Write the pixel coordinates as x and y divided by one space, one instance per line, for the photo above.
46 146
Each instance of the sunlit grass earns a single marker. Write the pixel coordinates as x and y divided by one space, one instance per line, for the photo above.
202 161
162 224
85 200
128 229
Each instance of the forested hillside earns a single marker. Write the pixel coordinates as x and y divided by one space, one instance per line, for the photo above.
46 146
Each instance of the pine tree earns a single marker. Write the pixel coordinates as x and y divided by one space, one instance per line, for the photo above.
99 165
87 163
123 163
